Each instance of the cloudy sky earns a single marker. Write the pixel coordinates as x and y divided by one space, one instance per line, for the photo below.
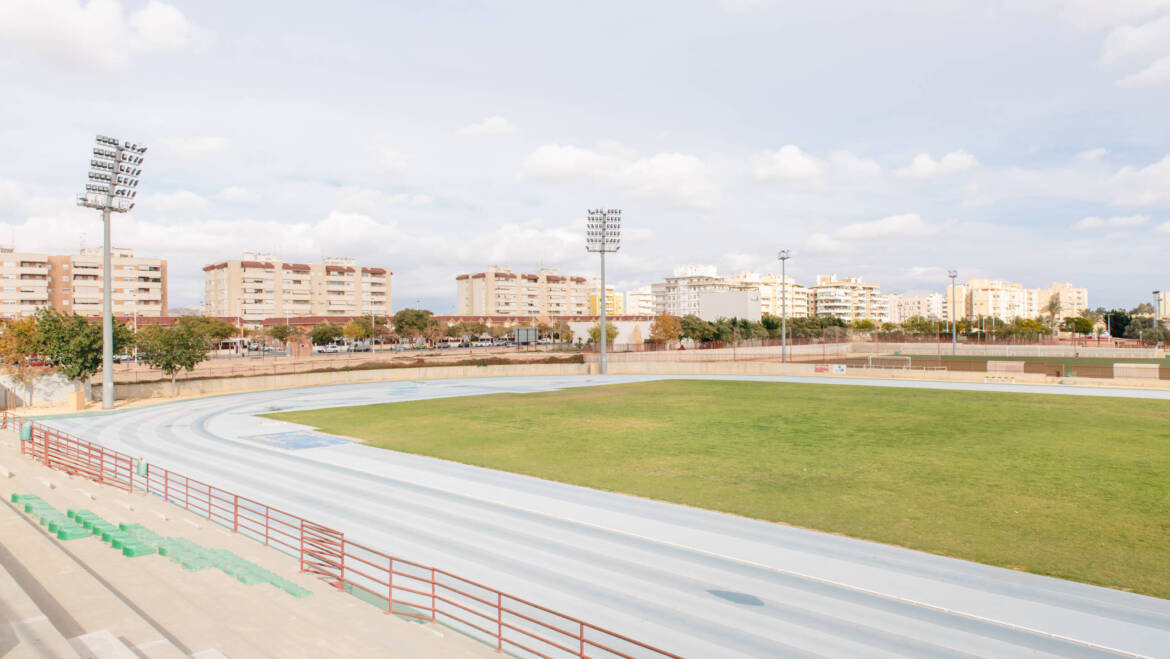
1017 139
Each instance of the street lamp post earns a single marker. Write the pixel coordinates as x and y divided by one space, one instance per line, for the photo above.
784 291
113 185
603 233
954 321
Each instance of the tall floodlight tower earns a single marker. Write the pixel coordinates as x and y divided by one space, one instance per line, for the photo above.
785 291
603 233
954 320
113 184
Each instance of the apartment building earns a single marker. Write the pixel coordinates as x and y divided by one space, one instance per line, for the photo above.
1073 301
850 299
640 301
905 306
1162 304
73 283
775 293
614 302
680 295
260 286
1007 301
502 292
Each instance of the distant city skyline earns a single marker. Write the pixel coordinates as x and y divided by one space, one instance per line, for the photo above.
1021 140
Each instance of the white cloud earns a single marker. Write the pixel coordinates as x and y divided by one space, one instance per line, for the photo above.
1162 228
1143 43
906 225
390 160
848 163
924 166
1154 75
94 35
404 199
823 243
1093 14
236 194
496 125
195 147
974 196
676 178
1116 221
1092 154
180 201
788 163
1147 186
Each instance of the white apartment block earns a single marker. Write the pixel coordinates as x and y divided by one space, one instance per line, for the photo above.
679 295
260 286
73 283
640 301
1162 305
850 299
903 307
502 292
776 296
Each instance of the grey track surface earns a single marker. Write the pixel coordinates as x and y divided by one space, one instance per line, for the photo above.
695 582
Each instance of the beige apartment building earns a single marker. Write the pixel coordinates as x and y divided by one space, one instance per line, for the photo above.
991 298
260 286
905 306
775 294
1162 305
502 292
681 294
850 299
73 283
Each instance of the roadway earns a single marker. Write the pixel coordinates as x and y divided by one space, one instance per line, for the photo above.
700 583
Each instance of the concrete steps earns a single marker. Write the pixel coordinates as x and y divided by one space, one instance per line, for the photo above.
25 631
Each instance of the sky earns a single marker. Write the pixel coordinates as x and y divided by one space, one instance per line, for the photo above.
1024 140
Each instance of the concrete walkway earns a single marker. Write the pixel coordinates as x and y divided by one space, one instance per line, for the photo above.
53 590
691 581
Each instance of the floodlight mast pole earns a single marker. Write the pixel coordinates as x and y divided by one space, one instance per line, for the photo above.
113 173
603 234
954 321
784 291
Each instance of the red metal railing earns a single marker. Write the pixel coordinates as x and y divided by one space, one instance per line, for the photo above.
399 586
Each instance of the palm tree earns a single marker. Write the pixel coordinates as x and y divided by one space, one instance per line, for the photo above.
1053 310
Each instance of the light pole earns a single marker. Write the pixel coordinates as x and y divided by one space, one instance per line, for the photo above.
603 233
113 182
954 324
784 290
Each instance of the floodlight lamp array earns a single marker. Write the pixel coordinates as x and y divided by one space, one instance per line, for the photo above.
603 229
114 175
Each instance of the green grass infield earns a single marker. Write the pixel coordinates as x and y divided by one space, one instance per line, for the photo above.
1068 486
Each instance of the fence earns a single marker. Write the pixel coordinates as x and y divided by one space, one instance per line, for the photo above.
399 586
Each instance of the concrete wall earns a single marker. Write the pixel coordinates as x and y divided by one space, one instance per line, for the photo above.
47 389
1006 350
215 386
800 352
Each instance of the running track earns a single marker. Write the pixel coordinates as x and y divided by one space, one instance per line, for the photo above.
699 583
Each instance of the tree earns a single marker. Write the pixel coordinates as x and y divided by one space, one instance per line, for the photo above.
434 330
771 325
611 331
863 325
18 350
412 322
1146 329
325 332
1053 310
665 329
74 345
281 332
697 329
356 330
1079 324
213 330
171 349
1116 322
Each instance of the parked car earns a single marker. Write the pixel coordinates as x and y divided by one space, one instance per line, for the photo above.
329 347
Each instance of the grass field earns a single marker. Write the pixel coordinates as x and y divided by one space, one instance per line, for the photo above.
1060 485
